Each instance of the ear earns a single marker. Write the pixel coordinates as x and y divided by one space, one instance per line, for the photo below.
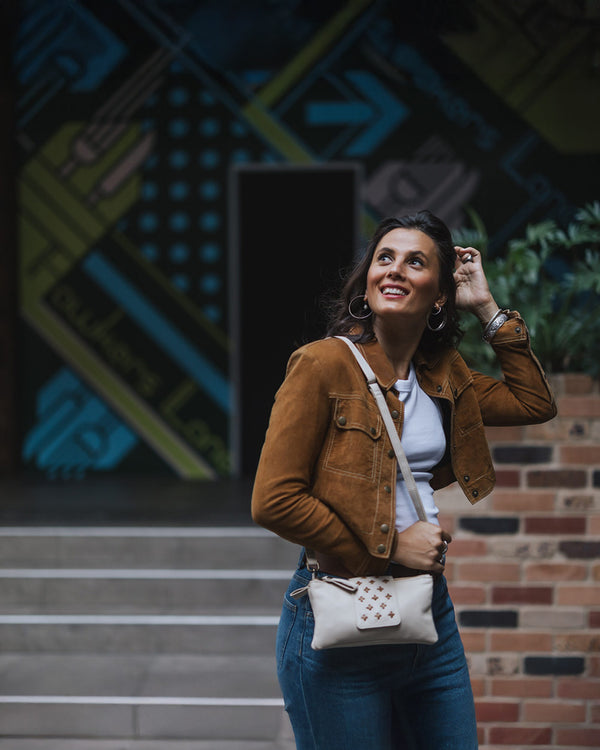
441 300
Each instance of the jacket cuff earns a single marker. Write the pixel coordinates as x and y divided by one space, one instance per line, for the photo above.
512 330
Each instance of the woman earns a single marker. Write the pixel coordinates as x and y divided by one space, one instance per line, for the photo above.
327 480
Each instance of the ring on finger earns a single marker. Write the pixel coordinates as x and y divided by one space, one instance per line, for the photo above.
468 258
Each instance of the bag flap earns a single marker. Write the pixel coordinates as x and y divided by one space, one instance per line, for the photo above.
375 602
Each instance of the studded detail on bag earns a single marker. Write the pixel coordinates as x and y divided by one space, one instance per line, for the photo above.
375 603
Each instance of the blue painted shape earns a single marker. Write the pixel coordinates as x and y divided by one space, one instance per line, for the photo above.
256 78
66 36
158 328
75 432
338 113
389 113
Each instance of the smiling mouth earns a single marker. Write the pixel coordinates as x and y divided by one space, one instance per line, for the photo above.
394 291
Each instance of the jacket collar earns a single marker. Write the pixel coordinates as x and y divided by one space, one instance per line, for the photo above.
380 364
382 367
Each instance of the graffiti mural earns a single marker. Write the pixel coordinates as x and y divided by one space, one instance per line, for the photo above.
130 116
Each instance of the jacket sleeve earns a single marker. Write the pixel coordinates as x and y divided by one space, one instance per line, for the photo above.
524 395
282 500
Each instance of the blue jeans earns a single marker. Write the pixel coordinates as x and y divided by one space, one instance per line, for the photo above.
404 697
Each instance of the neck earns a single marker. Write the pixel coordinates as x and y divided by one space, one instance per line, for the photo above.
399 344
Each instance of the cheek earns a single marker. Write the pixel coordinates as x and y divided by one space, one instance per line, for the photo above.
371 280
431 285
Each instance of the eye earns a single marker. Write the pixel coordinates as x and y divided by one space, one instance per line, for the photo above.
416 260
384 256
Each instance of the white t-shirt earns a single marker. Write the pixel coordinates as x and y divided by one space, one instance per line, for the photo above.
424 443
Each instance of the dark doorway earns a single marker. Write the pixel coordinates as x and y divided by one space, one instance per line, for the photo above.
294 229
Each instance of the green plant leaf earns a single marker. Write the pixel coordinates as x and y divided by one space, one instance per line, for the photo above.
561 308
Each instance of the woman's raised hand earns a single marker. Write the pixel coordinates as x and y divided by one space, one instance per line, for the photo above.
472 290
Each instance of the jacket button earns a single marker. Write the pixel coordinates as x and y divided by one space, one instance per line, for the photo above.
373 431
395 413
466 477
381 548
384 528
518 329
475 493
391 453
342 421
439 389
387 488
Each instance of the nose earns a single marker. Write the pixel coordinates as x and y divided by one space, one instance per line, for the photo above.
396 269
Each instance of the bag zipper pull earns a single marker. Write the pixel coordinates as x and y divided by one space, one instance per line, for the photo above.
299 593
341 583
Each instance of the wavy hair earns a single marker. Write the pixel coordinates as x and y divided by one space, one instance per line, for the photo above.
341 323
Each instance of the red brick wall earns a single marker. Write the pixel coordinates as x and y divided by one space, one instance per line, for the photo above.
524 572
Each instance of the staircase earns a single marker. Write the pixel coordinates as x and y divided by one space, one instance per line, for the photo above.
145 638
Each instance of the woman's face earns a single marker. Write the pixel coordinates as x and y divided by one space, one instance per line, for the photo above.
403 279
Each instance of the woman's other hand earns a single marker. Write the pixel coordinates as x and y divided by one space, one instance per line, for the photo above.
472 290
422 546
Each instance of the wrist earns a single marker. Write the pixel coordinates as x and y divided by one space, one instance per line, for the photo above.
484 313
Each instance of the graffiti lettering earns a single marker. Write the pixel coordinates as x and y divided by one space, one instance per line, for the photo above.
99 331
195 431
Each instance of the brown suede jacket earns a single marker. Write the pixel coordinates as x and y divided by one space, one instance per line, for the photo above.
326 478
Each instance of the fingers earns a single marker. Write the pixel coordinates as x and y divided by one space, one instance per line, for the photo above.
423 546
443 548
466 254
439 548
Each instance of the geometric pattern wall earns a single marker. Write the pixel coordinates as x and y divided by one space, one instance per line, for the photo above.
130 116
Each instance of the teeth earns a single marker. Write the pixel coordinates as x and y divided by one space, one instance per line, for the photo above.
392 290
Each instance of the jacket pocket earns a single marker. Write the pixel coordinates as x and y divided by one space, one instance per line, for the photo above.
354 439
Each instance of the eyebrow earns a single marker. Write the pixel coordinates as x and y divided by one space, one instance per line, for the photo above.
409 252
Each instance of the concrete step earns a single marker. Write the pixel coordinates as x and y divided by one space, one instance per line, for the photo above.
125 591
139 634
141 638
144 547
140 676
140 697
104 718
48 743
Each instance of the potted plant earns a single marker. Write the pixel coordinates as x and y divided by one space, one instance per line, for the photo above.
552 277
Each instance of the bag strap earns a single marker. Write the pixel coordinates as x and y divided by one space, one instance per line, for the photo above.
411 485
